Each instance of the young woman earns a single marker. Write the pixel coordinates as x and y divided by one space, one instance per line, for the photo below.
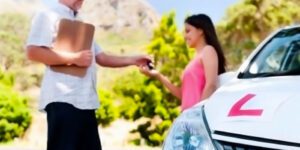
200 76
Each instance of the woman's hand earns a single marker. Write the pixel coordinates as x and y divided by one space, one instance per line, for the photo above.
149 72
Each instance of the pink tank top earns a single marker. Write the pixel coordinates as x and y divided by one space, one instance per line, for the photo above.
193 82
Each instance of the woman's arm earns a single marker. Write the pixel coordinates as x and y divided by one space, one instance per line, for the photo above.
210 64
176 91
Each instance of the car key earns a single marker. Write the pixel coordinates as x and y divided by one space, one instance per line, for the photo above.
150 65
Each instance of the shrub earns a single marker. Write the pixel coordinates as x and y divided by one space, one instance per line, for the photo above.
141 98
7 78
107 113
15 116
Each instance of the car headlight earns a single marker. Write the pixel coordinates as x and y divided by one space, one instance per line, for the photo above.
189 132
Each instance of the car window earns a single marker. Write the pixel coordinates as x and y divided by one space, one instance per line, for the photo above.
279 56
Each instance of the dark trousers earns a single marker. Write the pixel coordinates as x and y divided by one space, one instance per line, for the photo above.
70 128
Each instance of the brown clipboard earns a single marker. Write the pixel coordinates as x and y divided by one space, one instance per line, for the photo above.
73 36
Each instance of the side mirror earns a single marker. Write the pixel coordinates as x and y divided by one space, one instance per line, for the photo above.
225 77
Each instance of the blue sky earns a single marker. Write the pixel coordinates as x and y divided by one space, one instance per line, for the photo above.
216 9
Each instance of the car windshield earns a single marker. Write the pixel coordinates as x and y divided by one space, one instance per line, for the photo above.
279 57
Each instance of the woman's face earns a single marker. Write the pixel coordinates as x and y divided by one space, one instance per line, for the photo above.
192 35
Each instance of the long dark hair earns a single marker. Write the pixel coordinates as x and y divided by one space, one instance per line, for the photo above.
203 22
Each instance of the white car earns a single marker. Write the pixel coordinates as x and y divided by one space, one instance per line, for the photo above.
255 108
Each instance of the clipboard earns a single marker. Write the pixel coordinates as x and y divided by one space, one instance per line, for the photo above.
73 36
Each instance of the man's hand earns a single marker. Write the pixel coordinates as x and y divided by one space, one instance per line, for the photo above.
141 60
83 58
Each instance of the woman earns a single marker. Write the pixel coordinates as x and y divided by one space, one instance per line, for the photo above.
200 76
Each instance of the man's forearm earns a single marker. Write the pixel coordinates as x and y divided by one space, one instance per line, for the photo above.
48 57
106 60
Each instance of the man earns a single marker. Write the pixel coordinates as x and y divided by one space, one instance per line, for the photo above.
69 101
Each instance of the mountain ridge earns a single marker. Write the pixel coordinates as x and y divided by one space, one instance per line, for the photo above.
114 15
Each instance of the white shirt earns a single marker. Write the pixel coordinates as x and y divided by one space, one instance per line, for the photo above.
59 87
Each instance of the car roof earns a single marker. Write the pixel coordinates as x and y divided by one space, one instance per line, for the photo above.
291 27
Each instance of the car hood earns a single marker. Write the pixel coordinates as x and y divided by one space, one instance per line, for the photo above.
267 108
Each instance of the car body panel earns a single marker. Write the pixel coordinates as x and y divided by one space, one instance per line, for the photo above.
278 119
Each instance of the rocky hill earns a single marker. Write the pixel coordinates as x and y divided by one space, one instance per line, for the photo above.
118 14
19 6
105 14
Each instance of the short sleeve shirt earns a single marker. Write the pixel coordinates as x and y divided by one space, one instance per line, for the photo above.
59 87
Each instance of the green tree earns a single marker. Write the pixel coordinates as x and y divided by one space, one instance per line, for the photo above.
248 22
143 97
